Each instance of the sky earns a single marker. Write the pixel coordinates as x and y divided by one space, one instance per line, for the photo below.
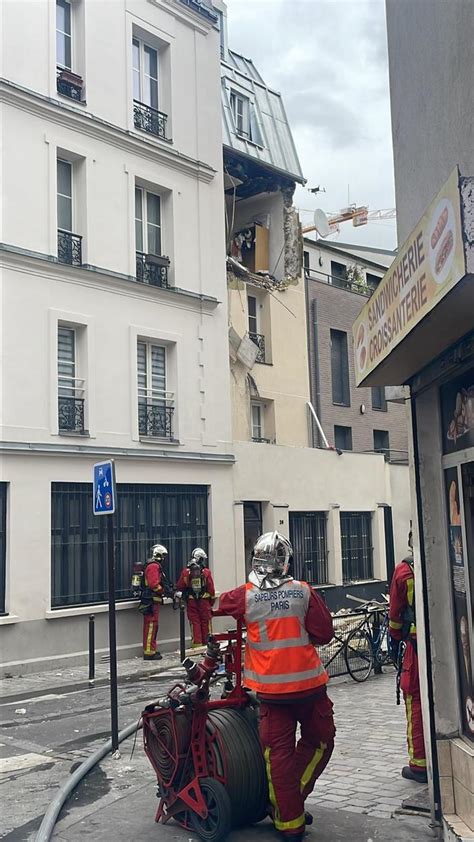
328 59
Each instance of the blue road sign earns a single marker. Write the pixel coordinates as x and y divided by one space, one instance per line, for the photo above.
104 488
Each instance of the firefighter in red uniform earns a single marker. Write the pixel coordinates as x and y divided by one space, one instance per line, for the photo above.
284 619
155 587
402 627
197 588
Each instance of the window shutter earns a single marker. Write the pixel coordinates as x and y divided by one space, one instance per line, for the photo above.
66 361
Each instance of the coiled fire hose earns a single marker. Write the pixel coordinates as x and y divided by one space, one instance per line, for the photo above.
51 816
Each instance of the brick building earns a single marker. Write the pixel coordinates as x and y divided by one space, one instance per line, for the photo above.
339 278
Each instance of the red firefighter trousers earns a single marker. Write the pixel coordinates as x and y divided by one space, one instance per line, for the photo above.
199 616
292 769
410 684
150 630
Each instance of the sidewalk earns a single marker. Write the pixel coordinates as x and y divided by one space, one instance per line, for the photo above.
358 797
20 687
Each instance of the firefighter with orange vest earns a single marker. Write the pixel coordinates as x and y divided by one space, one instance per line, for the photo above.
402 627
284 619
197 588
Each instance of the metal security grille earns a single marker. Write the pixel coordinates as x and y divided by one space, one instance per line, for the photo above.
357 550
3 543
308 538
174 515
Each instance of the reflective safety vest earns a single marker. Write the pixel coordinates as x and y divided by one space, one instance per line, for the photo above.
279 657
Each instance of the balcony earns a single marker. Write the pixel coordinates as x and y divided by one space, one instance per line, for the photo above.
152 269
148 119
71 404
259 341
155 414
261 439
69 84
69 248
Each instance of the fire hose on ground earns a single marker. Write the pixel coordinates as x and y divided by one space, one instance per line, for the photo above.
51 816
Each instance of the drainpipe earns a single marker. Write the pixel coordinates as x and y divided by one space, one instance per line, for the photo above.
312 342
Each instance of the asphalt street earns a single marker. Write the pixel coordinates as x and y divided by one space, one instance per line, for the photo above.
359 796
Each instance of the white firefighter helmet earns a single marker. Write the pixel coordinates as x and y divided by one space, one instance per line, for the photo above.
271 555
159 551
198 555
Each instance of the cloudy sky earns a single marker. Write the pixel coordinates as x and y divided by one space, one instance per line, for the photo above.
328 58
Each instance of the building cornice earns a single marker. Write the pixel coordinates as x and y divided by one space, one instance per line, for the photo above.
199 19
84 122
52 449
47 266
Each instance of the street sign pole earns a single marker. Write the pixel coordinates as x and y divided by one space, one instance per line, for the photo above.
112 633
104 501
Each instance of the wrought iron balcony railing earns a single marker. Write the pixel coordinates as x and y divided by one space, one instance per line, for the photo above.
260 438
148 119
69 248
152 269
259 341
69 84
155 420
70 415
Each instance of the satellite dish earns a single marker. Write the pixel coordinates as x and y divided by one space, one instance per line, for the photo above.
321 223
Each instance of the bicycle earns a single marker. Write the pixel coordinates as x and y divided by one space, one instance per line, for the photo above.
366 647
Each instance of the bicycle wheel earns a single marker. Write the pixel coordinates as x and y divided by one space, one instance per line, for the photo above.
358 655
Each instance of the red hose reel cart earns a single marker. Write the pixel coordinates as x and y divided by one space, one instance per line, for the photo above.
206 752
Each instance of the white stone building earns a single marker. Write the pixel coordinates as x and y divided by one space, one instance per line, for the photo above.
114 311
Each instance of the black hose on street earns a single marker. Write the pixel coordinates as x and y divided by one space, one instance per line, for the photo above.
51 816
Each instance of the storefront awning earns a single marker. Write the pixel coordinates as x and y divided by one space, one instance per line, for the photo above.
425 301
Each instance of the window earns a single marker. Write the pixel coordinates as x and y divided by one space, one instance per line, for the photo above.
378 398
69 244
338 274
308 539
339 368
382 442
147 222
372 281
343 438
357 552
155 404
70 388
257 425
306 264
240 111
257 338
177 514
151 265
63 34
3 544
146 116
145 74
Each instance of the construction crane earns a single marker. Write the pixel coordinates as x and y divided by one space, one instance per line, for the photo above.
326 225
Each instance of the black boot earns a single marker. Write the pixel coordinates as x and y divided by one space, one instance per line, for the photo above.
420 777
156 657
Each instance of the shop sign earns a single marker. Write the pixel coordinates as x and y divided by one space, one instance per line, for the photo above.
428 265
459 577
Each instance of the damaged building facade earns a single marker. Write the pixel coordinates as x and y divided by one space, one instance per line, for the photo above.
334 505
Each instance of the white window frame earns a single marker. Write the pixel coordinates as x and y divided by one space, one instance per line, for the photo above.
63 195
257 425
240 116
150 396
66 35
251 316
144 193
76 389
142 46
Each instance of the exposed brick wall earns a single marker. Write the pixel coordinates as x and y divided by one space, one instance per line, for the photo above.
337 309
